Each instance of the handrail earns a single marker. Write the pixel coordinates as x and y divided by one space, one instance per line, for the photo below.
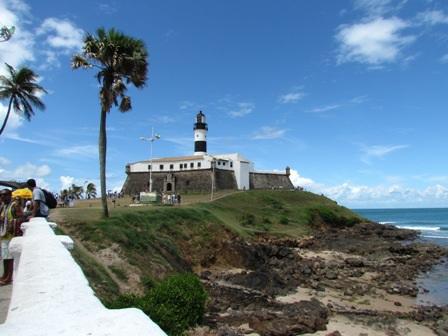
51 296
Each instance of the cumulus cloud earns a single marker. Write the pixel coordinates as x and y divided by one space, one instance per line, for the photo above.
268 133
382 195
25 171
18 49
301 181
61 34
292 97
373 42
241 110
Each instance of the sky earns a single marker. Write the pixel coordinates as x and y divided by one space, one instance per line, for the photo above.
351 94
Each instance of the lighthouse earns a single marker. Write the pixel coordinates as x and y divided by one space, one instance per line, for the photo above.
200 134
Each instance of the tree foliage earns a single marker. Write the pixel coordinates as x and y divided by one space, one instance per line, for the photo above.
120 60
21 88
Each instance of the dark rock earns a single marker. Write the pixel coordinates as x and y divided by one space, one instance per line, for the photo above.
354 262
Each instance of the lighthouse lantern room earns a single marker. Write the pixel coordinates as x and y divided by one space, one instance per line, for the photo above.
200 134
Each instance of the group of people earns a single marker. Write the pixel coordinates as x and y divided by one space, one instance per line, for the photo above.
171 199
13 212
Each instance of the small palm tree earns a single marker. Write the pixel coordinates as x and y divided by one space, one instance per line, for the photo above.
90 190
21 89
120 60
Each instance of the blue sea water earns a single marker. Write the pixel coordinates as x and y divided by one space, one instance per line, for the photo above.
433 227
432 223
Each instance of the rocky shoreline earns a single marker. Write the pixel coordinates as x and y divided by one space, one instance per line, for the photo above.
359 280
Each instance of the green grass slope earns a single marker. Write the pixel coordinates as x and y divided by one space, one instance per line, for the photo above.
161 240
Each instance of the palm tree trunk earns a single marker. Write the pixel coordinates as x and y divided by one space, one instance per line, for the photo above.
102 147
7 116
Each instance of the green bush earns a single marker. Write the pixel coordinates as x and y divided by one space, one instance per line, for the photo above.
284 220
177 303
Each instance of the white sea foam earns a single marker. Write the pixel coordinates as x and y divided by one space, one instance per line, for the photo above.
420 228
438 237
387 222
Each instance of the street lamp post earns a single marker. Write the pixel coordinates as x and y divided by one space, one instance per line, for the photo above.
213 163
153 138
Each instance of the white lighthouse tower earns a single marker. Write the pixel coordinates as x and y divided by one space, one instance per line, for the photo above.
200 134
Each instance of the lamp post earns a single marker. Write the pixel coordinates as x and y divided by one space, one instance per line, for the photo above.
153 138
213 163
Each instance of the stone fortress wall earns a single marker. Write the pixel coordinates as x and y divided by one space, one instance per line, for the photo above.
185 181
270 181
201 181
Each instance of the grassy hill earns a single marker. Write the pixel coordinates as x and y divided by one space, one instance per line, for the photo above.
137 246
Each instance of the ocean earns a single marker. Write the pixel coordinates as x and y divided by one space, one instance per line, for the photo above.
433 227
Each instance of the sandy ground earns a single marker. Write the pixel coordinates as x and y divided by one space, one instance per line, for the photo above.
348 327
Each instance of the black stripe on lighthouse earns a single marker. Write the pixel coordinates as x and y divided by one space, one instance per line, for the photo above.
200 146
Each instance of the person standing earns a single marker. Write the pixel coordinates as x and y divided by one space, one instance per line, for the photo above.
40 208
10 216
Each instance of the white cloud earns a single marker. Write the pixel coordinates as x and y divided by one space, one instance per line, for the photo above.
241 109
4 161
432 17
300 181
378 7
268 133
19 48
61 34
324 108
374 42
76 152
13 123
25 171
292 97
378 151
108 8
444 58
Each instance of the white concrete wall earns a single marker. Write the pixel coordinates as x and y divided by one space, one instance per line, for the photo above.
52 297
140 167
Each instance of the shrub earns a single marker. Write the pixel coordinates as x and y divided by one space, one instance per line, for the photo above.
284 220
176 303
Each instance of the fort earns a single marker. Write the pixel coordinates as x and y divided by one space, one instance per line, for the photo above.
201 172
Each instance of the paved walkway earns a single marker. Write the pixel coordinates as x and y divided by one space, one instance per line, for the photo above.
5 295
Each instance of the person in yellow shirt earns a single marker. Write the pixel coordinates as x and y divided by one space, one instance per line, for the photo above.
11 215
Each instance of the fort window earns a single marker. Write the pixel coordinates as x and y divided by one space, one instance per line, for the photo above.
161 167
171 166
191 165
169 187
149 167
199 165
219 163
231 164
187 183
181 166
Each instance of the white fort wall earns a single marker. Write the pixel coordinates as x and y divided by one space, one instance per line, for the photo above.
51 295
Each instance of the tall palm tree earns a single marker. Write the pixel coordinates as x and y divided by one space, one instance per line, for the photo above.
21 89
90 190
120 60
